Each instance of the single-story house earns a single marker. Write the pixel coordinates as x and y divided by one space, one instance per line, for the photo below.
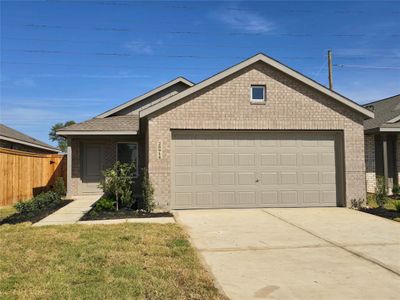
382 142
13 139
258 134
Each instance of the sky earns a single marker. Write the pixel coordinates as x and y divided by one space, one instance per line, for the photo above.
72 60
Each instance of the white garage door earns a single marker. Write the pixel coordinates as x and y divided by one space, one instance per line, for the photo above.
253 169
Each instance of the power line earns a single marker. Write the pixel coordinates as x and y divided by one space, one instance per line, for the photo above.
367 67
127 54
190 32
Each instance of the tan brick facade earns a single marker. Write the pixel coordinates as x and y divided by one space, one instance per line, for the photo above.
370 163
225 105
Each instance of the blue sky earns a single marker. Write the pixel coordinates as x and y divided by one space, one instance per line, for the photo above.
73 60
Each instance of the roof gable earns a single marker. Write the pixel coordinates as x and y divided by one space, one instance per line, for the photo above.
176 81
257 58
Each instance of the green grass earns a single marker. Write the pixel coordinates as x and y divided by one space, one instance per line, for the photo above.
6 212
145 261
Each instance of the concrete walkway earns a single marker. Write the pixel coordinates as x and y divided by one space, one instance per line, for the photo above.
299 253
71 213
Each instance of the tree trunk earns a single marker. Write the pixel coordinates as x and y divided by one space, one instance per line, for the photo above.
116 201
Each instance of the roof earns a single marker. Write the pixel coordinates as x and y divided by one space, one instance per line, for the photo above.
258 58
117 125
179 80
387 115
15 136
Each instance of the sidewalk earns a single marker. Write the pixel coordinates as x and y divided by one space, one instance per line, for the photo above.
71 213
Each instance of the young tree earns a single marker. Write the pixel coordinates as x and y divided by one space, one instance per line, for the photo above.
118 181
61 141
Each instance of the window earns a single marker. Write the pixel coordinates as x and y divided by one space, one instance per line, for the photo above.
127 153
257 94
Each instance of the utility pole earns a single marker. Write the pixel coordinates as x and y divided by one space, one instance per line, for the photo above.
330 69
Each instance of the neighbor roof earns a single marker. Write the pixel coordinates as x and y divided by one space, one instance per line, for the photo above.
387 115
258 58
117 125
12 135
179 80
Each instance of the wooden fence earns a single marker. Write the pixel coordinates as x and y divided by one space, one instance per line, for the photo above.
24 174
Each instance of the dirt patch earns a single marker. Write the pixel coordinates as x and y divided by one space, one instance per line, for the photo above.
122 214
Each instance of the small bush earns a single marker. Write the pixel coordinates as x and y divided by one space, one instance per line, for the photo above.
396 205
59 187
381 191
371 201
41 201
147 193
396 190
357 203
105 204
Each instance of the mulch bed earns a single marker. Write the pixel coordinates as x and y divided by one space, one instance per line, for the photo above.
122 214
383 212
34 217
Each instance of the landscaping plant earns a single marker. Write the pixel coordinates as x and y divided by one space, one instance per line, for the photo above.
396 205
105 204
118 181
59 187
396 190
147 193
43 200
381 191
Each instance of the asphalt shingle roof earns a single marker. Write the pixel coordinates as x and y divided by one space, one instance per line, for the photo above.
116 123
385 110
16 135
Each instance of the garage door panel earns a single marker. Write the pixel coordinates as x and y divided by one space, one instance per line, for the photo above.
245 169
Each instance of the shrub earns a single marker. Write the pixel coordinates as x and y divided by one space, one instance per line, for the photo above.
396 205
105 204
59 187
396 190
147 193
371 201
357 203
381 191
41 201
118 181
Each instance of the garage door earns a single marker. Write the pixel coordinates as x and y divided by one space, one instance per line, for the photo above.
253 169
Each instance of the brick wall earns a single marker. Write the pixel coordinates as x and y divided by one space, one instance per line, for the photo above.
225 105
370 163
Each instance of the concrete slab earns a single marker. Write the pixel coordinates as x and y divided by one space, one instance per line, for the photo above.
244 229
303 273
329 253
71 213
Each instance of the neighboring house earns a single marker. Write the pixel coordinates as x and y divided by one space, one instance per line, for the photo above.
258 134
13 139
382 142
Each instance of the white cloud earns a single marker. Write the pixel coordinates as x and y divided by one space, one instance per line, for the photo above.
139 47
244 21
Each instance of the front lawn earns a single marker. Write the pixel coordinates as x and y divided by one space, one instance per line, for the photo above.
151 261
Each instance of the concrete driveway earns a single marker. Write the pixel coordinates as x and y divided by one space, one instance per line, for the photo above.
298 253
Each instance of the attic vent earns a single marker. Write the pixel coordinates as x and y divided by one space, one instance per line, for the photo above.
370 107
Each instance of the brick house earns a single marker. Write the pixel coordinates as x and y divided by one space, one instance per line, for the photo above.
13 139
258 134
382 142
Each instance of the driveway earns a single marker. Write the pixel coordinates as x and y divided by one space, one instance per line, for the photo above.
298 253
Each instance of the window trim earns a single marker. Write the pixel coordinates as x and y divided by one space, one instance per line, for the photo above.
137 155
258 101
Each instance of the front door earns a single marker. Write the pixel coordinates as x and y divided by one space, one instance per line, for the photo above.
92 165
